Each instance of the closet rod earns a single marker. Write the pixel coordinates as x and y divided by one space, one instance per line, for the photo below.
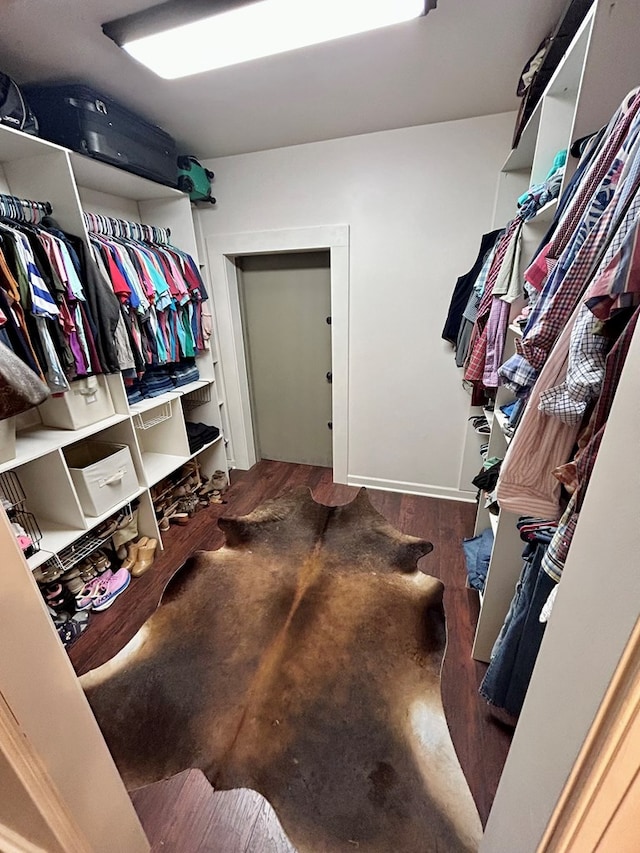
110 227
23 209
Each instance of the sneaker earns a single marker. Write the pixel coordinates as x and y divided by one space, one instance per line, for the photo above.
111 589
91 590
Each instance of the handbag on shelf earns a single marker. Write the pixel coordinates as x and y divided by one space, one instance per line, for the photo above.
20 388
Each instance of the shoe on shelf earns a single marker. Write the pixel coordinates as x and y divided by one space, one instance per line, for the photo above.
132 553
108 592
90 591
146 555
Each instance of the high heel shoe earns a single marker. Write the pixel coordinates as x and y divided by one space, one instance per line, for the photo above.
133 550
146 555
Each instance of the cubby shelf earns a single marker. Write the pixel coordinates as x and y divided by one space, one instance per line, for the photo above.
33 168
37 441
558 117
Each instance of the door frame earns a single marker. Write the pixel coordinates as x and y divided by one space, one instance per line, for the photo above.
222 251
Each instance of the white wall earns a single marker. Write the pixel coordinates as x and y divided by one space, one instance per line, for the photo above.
417 201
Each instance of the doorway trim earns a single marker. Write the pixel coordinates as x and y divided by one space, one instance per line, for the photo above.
222 251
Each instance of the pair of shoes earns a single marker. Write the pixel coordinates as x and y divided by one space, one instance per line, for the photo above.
100 593
140 556
47 574
58 598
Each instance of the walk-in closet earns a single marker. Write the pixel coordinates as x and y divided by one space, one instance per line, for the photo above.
318 406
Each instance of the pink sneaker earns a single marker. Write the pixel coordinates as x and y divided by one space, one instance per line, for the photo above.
90 591
109 591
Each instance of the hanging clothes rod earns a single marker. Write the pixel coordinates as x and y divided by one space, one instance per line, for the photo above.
110 227
23 209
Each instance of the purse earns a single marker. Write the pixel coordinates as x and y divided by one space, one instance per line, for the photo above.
20 388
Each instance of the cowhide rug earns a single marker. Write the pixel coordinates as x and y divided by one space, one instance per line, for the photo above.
302 660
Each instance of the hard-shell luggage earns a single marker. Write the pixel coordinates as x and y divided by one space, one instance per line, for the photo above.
194 179
82 119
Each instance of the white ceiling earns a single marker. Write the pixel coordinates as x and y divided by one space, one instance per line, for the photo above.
462 60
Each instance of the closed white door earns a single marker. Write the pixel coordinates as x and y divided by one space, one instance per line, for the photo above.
286 302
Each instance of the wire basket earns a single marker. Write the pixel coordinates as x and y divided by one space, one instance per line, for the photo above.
12 494
155 416
197 398
27 531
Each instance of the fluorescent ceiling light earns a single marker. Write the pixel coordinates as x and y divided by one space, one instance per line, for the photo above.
262 29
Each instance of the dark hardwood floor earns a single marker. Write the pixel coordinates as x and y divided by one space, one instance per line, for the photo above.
184 814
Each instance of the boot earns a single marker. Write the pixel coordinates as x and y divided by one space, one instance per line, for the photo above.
146 555
132 553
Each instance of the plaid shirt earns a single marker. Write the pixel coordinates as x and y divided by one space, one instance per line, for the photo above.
575 268
618 131
558 550
478 347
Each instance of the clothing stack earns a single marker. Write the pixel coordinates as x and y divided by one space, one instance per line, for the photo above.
200 434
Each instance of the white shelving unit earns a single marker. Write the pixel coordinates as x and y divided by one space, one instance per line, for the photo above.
35 169
579 98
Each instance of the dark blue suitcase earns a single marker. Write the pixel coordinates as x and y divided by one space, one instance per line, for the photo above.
83 120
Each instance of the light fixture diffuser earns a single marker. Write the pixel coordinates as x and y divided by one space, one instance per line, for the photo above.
260 29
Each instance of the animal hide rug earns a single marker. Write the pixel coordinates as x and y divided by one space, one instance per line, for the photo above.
302 660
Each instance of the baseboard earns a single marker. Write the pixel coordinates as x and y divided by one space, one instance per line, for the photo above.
428 491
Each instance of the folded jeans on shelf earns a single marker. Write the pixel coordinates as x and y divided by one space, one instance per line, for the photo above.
477 552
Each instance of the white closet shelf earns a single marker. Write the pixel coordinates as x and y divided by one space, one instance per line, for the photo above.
193 386
545 214
153 402
16 145
37 441
493 521
94 522
206 447
95 175
489 415
55 537
503 423
163 399
157 466
517 331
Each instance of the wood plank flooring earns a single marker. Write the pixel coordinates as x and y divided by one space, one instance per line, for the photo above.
184 815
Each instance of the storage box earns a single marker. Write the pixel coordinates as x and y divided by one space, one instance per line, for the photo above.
103 475
88 401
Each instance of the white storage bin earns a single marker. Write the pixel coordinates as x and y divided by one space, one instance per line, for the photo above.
88 401
103 475
7 439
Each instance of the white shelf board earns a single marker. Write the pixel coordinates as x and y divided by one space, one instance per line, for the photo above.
157 466
522 156
55 537
38 559
38 441
493 521
517 331
503 423
193 386
153 402
489 415
206 446
94 522
545 214
16 145
95 175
